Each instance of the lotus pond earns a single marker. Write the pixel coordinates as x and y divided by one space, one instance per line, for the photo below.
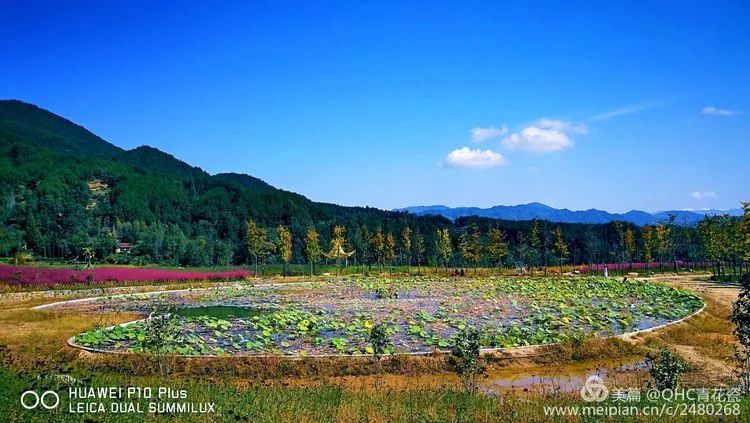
421 314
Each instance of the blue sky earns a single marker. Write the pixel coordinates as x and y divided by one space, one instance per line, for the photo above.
612 105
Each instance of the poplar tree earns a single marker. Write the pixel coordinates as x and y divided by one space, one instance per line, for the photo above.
312 248
534 244
524 251
630 245
419 250
648 243
444 246
390 249
338 242
258 245
378 244
663 239
406 245
498 246
561 249
620 245
471 246
284 246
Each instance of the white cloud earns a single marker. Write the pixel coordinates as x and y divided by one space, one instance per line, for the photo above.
701 195
476 159
544 136
481 134
627 110
715 111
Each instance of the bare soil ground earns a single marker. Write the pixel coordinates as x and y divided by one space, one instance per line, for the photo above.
706 340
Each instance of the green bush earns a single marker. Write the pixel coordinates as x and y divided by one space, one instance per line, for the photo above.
465 357
666 368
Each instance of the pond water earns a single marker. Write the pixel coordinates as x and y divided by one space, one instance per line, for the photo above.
336 317
565 378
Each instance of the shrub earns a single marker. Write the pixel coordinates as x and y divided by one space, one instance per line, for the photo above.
665 368
160 330
379 345
379 341
741 320
465 357
21 258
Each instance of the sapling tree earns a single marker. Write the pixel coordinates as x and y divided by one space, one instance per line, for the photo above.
465 357
665 368
379 345
159 332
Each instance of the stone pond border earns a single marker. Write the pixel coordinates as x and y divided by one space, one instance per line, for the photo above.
483 351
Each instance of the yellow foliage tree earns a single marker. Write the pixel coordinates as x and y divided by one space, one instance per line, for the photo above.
337 252
284 245
561 248
406 244
312 248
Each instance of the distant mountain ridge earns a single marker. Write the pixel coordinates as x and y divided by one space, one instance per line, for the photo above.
535 210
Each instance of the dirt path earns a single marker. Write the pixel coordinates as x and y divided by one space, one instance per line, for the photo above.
705 341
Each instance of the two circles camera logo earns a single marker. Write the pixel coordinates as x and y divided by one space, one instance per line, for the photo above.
47 399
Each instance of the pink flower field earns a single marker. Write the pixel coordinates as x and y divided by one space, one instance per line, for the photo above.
30 275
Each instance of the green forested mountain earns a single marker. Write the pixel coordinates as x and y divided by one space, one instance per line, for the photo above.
63 189
28 124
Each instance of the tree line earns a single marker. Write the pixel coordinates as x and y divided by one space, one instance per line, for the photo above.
477 242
